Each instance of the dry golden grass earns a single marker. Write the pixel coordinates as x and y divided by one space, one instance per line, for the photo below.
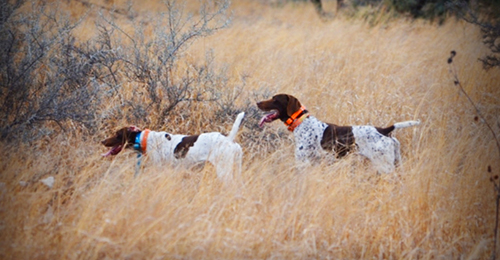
439 204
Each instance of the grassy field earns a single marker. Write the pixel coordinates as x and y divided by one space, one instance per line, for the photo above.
439 204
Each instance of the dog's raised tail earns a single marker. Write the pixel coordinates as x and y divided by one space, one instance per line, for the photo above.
236 126
406 124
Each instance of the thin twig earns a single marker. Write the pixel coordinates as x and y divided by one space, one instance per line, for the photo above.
453 71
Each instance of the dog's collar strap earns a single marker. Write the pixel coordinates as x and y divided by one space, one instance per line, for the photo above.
297 118
141 141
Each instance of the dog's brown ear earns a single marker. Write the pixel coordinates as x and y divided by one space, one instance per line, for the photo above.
120 133
293 105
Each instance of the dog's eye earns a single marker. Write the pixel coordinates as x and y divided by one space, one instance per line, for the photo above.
168 137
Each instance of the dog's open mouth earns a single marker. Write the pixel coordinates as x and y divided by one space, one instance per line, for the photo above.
114 151
269 118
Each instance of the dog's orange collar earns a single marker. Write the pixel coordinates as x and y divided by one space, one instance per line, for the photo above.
144 140
293 121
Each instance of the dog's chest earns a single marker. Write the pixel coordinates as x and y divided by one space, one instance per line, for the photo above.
309 133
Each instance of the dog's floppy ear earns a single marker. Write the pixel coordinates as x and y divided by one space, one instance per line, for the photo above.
293 105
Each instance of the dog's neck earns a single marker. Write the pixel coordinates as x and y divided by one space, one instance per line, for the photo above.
296 118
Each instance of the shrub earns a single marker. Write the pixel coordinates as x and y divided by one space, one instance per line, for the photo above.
155 65
47 76
43 77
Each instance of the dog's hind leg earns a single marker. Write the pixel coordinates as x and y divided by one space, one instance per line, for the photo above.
397 152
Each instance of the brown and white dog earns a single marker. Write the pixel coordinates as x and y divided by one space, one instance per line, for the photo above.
313 136
162 147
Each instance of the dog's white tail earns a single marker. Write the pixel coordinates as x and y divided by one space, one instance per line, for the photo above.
236 126
406 124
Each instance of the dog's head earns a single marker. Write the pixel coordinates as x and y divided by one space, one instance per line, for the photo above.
123 138
282 106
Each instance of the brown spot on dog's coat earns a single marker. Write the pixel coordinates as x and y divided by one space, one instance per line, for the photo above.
385 131
338 139
182 148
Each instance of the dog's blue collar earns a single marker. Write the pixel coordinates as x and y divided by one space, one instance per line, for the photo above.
137 147
137 142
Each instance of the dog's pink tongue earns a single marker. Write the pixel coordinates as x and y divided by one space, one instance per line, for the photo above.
113 151
106 154
268 118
